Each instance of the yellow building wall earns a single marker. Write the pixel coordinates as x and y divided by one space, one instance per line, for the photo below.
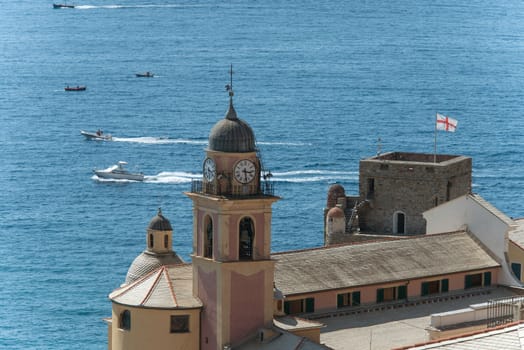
150 329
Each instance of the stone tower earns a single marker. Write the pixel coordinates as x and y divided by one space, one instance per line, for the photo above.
398 187
232 268
394 190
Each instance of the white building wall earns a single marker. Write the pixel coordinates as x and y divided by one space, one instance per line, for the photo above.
468 213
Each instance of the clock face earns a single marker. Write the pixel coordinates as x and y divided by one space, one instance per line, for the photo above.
209 169
245 171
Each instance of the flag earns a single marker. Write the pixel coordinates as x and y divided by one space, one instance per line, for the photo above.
446 123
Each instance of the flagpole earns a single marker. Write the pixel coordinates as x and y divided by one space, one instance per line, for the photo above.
435 146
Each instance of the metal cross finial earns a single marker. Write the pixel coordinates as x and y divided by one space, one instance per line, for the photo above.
229 87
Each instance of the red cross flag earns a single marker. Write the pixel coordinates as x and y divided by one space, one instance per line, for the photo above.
446 123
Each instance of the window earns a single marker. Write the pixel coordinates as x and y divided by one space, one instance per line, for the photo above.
125 320
348 299
434 287
208 239
298 306
166 241
392 293
472 281
179 324
151 240
399 222
371 188
517 269
245 244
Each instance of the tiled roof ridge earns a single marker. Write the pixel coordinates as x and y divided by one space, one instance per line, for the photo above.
170 285
123 289
368 242
462 335
155 283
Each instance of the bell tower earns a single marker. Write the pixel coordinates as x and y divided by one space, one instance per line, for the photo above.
233 271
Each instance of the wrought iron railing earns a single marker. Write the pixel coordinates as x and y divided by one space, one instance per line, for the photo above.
266 188
504 310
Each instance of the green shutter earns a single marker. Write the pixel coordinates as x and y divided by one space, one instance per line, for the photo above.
310 304
487 278
467 282
380 295
340 300
402 292
424 289
286 307
444 285
355 301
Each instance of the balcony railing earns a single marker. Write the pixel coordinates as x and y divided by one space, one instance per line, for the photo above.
266 188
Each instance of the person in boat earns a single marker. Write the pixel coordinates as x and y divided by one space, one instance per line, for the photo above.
99 132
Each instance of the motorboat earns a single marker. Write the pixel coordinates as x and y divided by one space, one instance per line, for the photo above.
145 75
59 6
97 135
75 88
119 173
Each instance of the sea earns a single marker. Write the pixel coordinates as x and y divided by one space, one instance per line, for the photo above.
323 84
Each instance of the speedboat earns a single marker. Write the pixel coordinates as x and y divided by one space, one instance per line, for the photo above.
119 173
97 136
75 88
145 75
59 6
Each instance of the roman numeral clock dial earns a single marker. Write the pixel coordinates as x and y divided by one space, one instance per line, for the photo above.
245 171
209 169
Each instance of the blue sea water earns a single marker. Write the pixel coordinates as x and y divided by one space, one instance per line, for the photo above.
319 82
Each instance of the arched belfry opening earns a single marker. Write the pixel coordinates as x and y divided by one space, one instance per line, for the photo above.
247 236
399 223
208 237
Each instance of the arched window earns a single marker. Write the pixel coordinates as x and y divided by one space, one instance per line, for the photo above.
125 320
151 240
166 241
208 237
399 223
247 235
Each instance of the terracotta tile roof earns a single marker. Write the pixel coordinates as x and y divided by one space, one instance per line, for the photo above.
354 265
167 287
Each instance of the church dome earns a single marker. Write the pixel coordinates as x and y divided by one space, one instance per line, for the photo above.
335 191
147 262
160 223
158 252
232 134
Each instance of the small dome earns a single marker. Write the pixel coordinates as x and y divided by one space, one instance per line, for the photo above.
335 212
335 191
232 134
160 223
147 262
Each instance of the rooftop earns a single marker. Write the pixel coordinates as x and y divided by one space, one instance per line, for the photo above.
395 327
361 264
416 157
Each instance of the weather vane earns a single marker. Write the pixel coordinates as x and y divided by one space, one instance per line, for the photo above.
229 87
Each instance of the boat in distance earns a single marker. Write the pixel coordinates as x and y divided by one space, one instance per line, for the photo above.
97 135
117 172
59 6
145 75
75 88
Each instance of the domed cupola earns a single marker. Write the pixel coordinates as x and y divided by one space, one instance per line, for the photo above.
232 134
159 252
334 193
160 223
